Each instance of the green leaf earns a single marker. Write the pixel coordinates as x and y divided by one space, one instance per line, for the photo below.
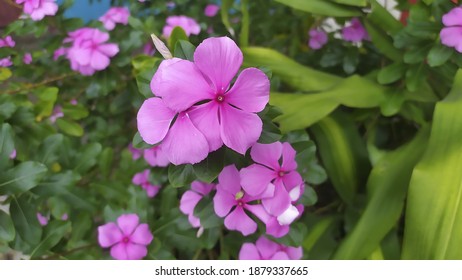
433 228
208 169
383 19
307 164
387 187
184 50
48 150
53 233
350 61
106 160
382 41
322 7
21 178
6 144
88 157
47 98
15 25
70 127
359 3
391 73
135 23
244 36
225 7
143 81
415 77
181 175
177 34
205 212
24 216
5 73
75 112
138 142
438 55
7 231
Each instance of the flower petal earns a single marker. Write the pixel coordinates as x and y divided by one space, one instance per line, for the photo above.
119 252
256 178
250 92
185 143
128 223
453 18
280 256
274 229
452 37
202 188
266 247
249 252
154 120
157 78
135 251
188 201
294 253
292 179
194 221
238 220
141 177
109 49
205 118
222 203
279 203
108 235
239 130
155 156
142 235
259 211
219 59
229 180
288 157
267 154
288 216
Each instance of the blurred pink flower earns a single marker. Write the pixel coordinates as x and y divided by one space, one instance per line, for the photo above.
148 49
27 58
38 9
142 179
451 34
7 42
115 15
355 32
318 39
6 61
13 154
136 153
127 239
43 221
189 25
265 249
191 198
211 10
56 114
155 156
59 52
74 101
65 217
89 51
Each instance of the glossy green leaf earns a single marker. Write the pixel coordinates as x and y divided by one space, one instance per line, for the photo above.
382 41
70 127
208 169
24 216
53 233
47 98
177 34
21 178
433 228
322 7
88 157
391 73
184 50
6 144
180 175
382 18
359 3
438 55
48 152
75 112
7 231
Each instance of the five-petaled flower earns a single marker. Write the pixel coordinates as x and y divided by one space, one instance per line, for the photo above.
265 249
115 15
38 9
142 179
189 25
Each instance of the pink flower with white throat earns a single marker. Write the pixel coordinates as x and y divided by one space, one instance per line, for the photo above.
127 238
38 9
189 25
115 15
451 34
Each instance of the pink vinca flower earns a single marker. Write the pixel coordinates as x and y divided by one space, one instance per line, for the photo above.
355 32
115 15
27 58
59 52
7 42
43 221
13 154
318 39
211 10
136 153
38 9
6 61
128 238
56 114
189 25
89 51
232 202
191 198
148 49
451 34
155 156
209 111
268 171
142 179
265 249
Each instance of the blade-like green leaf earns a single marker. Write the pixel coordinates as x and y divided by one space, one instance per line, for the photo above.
22 177
6 227
6 144
24 216
322 7
52 234
433 228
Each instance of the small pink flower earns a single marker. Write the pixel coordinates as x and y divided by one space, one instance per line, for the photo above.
64 217
43 221
265 249
56 114
155 156
451 34
89 51
128 238
318 39
38 9
136 153
6 62
7 42
13 154
148 49
189 25
211 10
142 179
59 52
74 102
355 32
115 15
27 59
191 198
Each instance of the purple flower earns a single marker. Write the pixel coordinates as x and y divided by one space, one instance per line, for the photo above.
318 39
148 49
226 114
136 153
6 61
142 179
89 51
38 9
128 238
59 52
115 15
355 32
43 221
64 217
155 156
56 114
74 101
191 198
211 10
231 201
27 58
7 42
13 154
451 34
189 25
265 249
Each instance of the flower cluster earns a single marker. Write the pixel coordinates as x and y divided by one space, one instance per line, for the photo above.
451 34
115 15
142 179
355 32
89 51
265 249
7 42
38 9
195 109
189 25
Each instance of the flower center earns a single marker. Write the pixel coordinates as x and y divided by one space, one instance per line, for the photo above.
220 98
125 239
281 173
239 195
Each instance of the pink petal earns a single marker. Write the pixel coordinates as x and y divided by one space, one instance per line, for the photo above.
108 49
294 253
141 177
151 190
266 247
128 223
109 234
267 154
453 18
142 235
239 130
256 178
99 61
274 229
238 220
157 78
279 202
219 59
292 179
205 118
181 85
229 180
80 55
185 143
155 156
154 120
288 157
250 92
249 252
259 211
188 201
194 221
119 251
202 188
452 37
222 203
280 256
